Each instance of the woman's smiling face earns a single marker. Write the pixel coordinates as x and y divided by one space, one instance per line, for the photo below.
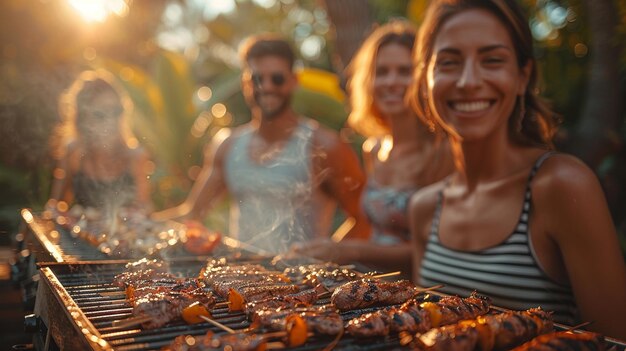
473 75
392 78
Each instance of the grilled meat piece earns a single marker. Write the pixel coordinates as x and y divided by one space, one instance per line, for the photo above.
369 325
565 341
223 285
329 275
451 309
301 299
409 317
455 337
144 263
320 320
510 329
165 307
141 288
364 293
125 279
263 292
298 273
329 279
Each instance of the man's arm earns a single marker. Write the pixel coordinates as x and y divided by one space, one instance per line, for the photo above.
209 186
341 176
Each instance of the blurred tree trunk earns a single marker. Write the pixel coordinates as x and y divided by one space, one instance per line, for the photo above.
596 135
352 22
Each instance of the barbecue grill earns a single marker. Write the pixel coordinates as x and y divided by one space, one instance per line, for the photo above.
44 240
76 303
76 311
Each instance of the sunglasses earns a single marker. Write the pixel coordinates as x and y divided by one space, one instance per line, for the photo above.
277 79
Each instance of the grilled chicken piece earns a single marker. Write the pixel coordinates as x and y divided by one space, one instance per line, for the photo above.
565 341
364 293
298 273
510 329
301 299
166 307
329 275
320 320
455 337
409 318
144 263
223 286
125 279
262 292
451 309
142 288
369 325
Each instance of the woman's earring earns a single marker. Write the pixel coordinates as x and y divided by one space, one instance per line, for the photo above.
522 113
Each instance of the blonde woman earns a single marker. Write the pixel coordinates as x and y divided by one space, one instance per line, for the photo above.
401 154
99 161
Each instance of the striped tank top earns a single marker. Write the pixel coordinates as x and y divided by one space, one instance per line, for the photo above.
509 273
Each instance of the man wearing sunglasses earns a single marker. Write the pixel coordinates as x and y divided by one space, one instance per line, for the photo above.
285 173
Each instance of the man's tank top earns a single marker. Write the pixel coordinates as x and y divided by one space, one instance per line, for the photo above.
509 273
277 203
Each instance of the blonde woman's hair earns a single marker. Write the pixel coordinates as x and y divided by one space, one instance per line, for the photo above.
364 117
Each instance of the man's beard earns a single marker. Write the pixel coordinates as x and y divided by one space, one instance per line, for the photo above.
272 113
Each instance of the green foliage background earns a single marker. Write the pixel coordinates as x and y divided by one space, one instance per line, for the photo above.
44 44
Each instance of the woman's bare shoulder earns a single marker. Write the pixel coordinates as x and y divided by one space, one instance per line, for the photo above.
425 200
563 173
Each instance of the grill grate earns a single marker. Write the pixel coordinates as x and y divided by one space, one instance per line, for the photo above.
78 287
53 243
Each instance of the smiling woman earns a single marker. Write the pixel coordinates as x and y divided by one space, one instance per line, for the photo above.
515 219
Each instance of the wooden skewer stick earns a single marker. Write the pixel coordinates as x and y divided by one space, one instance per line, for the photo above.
578 326
222 304
385 275
431 288
132 321
217 324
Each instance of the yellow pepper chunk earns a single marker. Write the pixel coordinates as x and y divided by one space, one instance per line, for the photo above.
191 314
434 312
296 330
235 301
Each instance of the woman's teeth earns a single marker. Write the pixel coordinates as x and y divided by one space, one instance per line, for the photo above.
470 106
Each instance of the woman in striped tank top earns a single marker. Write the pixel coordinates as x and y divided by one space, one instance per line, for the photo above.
515 221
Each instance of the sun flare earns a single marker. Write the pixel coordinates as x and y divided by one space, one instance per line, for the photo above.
99 10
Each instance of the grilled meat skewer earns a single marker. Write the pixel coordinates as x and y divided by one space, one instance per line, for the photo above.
490 332
417 317
366 292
